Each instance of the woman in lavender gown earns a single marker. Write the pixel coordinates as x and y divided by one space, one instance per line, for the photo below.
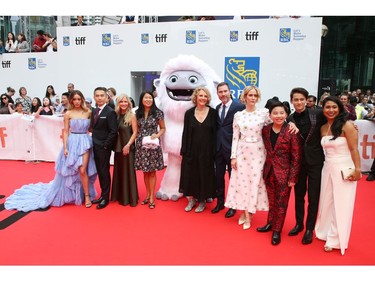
75 167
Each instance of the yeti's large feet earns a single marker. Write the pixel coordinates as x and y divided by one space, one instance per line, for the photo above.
164 197
158 195
175 197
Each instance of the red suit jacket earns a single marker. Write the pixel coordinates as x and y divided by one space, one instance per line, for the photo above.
285 158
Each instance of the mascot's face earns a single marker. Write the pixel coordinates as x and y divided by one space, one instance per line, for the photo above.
181 84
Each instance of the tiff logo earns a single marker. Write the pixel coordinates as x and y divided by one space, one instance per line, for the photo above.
80 40
368 147
5 63
251 35
2 136
160 38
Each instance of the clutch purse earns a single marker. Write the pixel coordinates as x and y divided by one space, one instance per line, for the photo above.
345 173
147 142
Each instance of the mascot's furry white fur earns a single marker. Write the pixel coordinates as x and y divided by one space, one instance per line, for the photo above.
178 79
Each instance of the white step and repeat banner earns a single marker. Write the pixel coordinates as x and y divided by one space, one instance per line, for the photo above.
26 138
274 54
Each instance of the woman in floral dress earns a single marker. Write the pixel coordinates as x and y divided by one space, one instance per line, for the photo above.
149 160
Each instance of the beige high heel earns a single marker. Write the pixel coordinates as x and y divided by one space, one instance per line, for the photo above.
246 224
242 219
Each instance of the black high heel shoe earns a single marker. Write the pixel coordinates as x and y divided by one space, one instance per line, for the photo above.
152 205
88 204
144 202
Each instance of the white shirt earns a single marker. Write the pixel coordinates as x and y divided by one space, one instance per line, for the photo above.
227 105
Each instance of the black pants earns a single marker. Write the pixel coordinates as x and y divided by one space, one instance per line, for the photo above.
222 163
102 157
309 181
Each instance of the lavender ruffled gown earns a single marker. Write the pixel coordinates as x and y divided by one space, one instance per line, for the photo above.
66 187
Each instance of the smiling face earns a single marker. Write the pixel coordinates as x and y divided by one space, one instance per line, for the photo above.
202 98
223 93
181 84
331 110
278 115
123 104
147 100
46 102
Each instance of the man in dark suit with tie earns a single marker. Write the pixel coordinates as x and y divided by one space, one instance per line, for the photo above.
104 133
226 109
308 121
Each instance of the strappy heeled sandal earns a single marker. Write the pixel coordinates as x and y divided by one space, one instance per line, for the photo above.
88 204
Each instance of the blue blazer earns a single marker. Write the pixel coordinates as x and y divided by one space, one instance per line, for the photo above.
224 131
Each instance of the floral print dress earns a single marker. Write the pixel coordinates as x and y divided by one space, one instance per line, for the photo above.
147 159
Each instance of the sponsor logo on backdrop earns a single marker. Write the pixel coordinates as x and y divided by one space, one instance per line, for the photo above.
284 36
240 72
161 38
191 36
66 40
80 41
298 35
203 37
117 40
32 63
233 35
251 35
145 38
5 63
106 39
41 63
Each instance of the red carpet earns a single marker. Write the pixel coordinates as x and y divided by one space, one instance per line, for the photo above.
167 235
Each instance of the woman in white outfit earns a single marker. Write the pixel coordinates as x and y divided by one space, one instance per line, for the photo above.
337 195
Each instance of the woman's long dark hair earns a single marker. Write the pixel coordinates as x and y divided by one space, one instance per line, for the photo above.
35 108
340 119
140 112
53 92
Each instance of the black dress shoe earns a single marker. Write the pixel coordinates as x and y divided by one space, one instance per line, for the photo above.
230 213
295 230
276 239
97 201
371 177
102 204
266 228
217 209
307 237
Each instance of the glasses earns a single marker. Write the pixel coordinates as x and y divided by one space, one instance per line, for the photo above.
4 98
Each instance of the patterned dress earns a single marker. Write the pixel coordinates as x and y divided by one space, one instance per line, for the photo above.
247 190
146 159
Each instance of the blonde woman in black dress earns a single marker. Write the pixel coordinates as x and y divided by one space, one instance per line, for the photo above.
124 185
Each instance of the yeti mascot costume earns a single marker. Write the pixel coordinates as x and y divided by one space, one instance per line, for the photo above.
178 79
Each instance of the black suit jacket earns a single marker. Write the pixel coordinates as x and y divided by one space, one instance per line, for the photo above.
312 149
224 131
104 131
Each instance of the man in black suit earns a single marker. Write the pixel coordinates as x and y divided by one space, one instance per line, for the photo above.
104 132
308 121
226 109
